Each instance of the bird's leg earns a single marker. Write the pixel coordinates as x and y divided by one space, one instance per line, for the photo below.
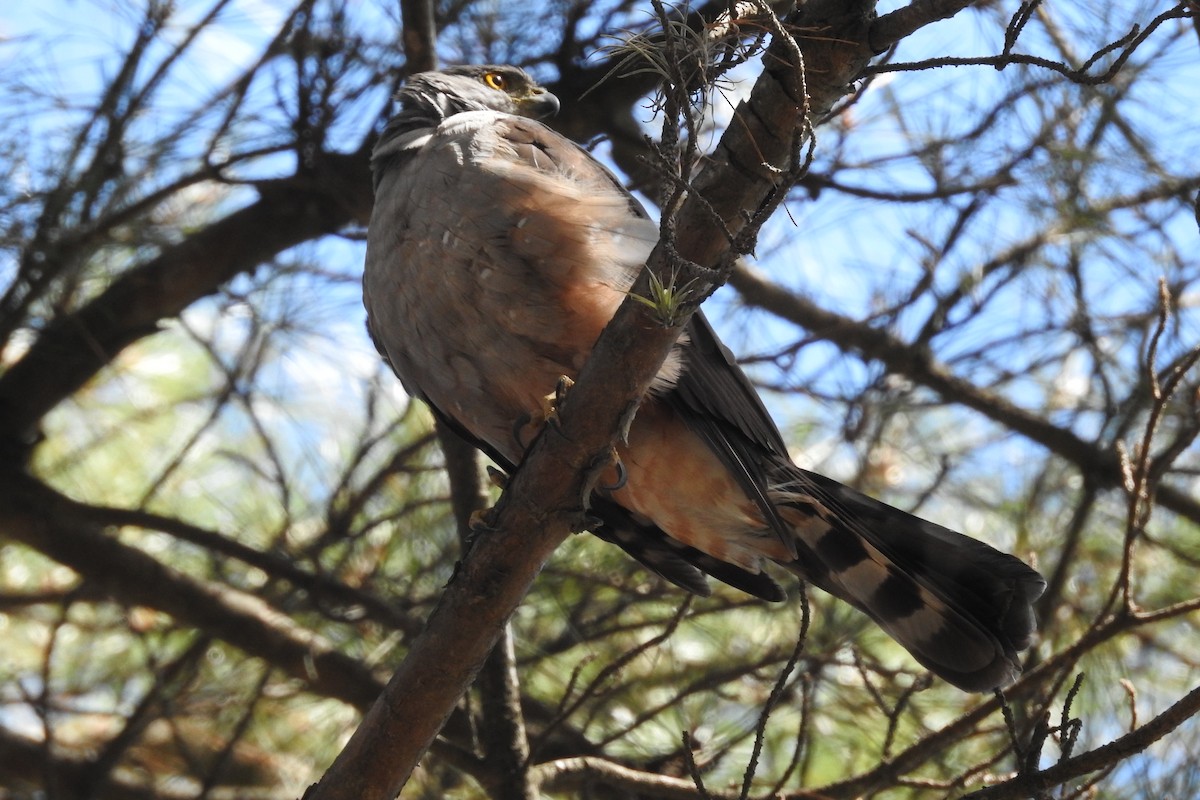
545 414
552 401
482 520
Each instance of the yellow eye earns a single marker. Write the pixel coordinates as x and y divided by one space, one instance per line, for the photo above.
496 81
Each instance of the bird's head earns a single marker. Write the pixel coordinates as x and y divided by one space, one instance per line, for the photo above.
488 87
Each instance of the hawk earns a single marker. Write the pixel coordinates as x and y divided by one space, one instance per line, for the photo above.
498 250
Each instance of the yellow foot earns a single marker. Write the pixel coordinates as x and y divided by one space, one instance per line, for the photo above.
545 414
482 520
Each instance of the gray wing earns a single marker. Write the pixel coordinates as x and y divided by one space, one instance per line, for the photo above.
718 402
714 386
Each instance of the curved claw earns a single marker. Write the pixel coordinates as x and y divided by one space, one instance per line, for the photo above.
497 478
622 476
544 416
518 426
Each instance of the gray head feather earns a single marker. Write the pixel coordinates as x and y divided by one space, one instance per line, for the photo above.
428 98
489 87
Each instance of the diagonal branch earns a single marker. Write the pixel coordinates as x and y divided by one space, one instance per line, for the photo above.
62 529
70 350
894 26
575 775
502 725
1137 740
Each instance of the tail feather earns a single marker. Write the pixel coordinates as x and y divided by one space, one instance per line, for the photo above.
684 566
962 608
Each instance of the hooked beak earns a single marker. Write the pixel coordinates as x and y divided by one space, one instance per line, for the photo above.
540 104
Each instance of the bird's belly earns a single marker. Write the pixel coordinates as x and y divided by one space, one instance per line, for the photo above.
675 480
483 355
494 299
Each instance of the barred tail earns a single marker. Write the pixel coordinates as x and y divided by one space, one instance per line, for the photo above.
963 609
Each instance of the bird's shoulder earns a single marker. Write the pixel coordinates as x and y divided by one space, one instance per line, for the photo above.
530 144
496 141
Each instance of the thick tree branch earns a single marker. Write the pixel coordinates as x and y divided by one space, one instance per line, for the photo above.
420 34
467 491
504 738
64 530
609 94
894 26
74 347
502 727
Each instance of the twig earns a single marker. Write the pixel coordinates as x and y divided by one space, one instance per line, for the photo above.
760 729
1126 44
1102 757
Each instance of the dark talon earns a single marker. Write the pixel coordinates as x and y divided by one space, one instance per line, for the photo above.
519 425
622 476
550 411
497 478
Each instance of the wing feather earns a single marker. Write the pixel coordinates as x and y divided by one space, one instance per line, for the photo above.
717 401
